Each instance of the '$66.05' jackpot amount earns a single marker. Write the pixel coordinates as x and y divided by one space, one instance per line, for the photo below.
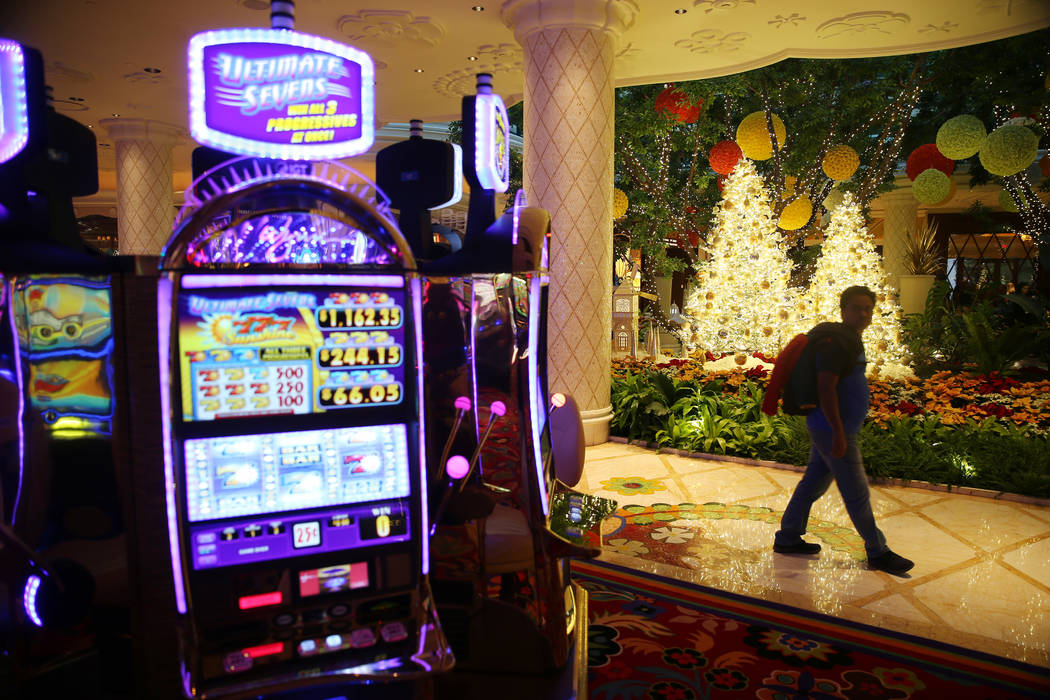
357 395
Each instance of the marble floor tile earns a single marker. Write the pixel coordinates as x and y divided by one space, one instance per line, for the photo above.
986 523
982 572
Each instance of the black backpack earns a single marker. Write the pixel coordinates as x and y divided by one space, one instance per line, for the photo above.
794 378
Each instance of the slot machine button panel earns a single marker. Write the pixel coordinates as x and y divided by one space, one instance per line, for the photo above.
284 620
339 625
237 662
393 632
339 610
362 638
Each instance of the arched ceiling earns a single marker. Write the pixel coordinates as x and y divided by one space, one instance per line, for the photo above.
100 55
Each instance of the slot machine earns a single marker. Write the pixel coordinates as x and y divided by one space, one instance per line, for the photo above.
289 312
508 524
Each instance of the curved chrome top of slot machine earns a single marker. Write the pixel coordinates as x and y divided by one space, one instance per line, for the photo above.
285 215
289 321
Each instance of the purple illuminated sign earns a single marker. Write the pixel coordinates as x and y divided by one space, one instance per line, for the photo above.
14 115
492 142
280 94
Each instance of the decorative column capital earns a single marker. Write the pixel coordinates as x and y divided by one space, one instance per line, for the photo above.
526 17
162 134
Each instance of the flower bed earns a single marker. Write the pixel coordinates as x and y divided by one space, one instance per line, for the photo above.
960 429
952 397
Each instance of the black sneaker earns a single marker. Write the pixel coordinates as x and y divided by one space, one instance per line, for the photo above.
799 548
891 563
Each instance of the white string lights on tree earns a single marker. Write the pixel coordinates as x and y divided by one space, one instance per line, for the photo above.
742 301
848 258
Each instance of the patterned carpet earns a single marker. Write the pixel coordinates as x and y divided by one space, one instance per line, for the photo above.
656 638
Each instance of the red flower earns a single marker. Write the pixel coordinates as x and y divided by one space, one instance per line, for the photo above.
906 407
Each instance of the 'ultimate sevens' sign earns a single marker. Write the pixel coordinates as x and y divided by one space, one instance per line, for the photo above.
280 94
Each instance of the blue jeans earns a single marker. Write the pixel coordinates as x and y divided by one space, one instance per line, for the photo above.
848 472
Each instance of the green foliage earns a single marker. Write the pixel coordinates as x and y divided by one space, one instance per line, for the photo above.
946 337
987 454
709 417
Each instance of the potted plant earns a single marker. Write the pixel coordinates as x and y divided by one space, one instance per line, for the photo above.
921 259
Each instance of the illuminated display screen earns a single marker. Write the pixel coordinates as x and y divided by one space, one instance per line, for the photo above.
65 333
333 579
280 94
289 351
275 472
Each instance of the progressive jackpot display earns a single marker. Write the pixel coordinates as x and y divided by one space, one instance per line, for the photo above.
289 351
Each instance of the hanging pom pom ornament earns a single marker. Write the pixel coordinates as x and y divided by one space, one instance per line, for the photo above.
619 203
960 137
724 156
796 215
841 162
952 189
833 199
925 157
753 136
675 104
931 186
1009 149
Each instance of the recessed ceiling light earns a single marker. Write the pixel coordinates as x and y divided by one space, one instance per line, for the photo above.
472 58
681 11
76 99
115 114
151 70
418 70
478 8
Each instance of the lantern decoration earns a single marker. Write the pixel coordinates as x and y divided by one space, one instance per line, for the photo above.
952 189
619 203
841 162
673 103
931 186
753 136
1006 201
724 156
960 137
925 157
1009 149
796 214
1044 166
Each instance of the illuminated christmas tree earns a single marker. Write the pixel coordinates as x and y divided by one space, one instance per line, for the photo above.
742 301
848 258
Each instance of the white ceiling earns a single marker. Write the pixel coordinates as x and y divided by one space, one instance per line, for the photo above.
96 50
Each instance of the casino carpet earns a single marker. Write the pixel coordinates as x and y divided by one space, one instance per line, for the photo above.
656 638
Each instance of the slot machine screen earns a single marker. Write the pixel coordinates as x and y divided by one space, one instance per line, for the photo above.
275 472
253 498
295 350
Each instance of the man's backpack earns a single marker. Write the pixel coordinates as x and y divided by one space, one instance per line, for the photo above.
794 378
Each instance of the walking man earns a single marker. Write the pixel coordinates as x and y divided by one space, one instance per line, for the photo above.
842 390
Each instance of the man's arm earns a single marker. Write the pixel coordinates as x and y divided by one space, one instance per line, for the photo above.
827 394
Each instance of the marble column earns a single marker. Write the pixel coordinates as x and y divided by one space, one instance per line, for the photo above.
145 201
900 217
569 47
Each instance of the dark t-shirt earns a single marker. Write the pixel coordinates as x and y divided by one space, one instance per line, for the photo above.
852 389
